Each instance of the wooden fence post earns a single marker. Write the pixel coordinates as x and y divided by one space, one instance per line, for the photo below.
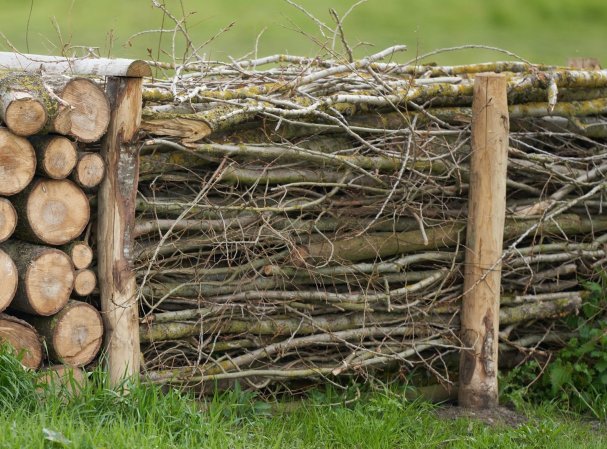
116 218
484 241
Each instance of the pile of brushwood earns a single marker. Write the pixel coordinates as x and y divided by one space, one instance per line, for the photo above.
302 220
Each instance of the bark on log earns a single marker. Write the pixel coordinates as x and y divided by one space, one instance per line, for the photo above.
85 282
46 277
56 156
485 235
329 323
89 170
80 253
8 219
23 338
51 211
386 244
74 66
17 163
73 336
26 105
9 279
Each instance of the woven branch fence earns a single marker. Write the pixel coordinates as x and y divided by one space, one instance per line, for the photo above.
303 221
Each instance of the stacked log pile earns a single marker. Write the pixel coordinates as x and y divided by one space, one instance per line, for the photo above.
304 219
47 176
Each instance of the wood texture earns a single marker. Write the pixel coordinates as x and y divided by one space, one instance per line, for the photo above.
56 156
51 211
85 282
74 66
8 219
80 253
46 277
23 338
74 335
8 280
17 163
89 170
484 240
90 109
116 213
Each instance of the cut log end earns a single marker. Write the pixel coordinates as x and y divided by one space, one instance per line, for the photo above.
77 334
90 113
23 338
89 171
49 281
17 163
8 280
8 219
85 282
56 212
81 254
25 116
57 157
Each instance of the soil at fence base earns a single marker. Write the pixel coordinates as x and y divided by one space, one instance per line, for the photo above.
498 416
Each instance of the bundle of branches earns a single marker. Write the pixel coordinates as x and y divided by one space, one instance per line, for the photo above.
304 219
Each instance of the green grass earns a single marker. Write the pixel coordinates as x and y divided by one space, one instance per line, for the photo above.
542 30
150 418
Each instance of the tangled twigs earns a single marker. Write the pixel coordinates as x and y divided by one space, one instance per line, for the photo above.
301 219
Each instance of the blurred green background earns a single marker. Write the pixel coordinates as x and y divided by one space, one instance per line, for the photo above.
540 30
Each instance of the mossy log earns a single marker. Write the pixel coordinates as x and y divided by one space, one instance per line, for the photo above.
74 335
51 211
46 277
27 105
17 163
23 338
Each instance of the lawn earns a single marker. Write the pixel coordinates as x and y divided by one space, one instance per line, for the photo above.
540 30
148 417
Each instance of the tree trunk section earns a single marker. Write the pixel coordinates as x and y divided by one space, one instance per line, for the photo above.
56 156
89 109
74 335
80 253
17 163
9 279
484 240
8 219
89 170
23 338
23 99
46 277
117 195
51 211
85 282
74 66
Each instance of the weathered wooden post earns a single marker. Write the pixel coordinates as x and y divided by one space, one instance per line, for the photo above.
116 219
485 230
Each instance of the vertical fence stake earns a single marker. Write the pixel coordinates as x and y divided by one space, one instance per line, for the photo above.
484 241
116 217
